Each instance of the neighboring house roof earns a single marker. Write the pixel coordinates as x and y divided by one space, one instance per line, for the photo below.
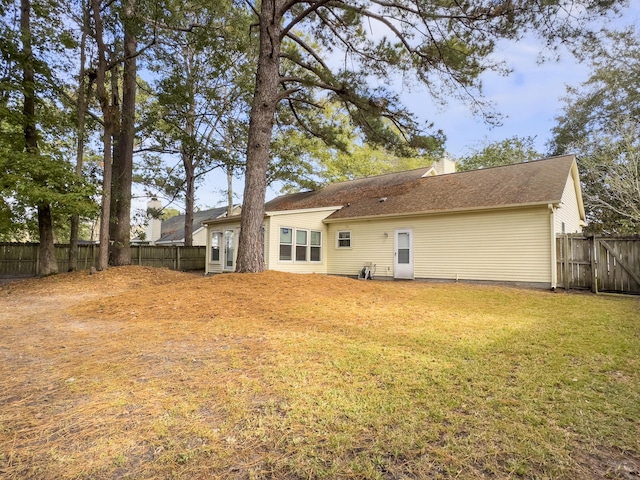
173 228
532 183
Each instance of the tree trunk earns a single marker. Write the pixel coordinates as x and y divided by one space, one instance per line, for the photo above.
109 118
188 202
229 190
123 155
81 108
250 249
48 263
114 86
188 161
47 254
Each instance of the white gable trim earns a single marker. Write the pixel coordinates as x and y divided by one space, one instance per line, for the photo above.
430 173
576 183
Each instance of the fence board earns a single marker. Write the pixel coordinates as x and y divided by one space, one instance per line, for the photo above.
621 270
605 264
21 259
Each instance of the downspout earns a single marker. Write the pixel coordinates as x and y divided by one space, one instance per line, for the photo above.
207 252
552 234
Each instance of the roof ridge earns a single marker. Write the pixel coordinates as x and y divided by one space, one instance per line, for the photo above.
543 159
376 176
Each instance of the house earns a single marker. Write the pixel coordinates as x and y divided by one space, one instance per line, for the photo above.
171 231
494 224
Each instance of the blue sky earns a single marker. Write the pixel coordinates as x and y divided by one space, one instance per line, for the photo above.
529 98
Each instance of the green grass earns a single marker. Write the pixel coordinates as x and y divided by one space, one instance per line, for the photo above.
496 385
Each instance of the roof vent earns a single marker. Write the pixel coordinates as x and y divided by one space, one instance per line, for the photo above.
383 199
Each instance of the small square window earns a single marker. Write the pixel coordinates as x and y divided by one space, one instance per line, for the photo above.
344 239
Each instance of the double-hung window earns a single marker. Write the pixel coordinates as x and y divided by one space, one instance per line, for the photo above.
315 249
302 242
344 239
286 243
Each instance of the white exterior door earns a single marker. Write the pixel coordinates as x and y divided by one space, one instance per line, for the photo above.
403 253
229 247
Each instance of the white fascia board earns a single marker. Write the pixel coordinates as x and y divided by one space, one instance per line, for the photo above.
221 220
302 210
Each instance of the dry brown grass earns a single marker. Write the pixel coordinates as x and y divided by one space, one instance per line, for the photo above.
146 373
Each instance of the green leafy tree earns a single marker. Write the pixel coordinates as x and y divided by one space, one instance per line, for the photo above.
504 152
121 36
445 45
203 69
129 13
609 163
600 124
37 180
302 160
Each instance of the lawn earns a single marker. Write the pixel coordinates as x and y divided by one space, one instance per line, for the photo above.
147 373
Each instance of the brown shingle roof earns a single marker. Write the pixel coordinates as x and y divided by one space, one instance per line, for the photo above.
172 229
537 182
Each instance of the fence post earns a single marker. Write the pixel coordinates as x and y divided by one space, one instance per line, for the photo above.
566 266
178 257
594 263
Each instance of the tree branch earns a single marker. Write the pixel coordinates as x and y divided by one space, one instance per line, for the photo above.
302 15
308 49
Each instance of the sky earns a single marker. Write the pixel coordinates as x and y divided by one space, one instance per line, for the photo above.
529 99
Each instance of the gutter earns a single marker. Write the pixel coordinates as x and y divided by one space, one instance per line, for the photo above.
437 212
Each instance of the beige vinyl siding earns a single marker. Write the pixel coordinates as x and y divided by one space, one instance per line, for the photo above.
200 236
508 245
502 245
368 244
311 220
568 211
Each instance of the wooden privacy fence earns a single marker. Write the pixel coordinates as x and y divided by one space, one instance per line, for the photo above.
21 259
598 263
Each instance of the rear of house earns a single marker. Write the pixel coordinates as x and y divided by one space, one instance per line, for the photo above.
496 224
485 245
